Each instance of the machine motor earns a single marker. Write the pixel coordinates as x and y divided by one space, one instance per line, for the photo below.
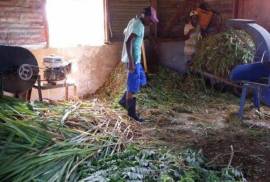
56 69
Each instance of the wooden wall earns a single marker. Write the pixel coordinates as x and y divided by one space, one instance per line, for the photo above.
123 10
22 22
225 7
255 9
167 9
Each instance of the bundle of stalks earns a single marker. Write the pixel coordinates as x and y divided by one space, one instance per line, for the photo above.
50 142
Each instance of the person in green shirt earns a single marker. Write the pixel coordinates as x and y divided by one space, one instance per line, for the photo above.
131 56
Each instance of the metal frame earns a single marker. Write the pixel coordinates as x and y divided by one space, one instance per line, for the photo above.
38 85
257 89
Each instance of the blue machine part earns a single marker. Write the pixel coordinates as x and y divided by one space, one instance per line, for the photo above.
261 38
265 96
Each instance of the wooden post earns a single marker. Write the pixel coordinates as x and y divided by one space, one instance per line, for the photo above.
39 89
106 21
45 19
75 91
28 94
144 58
66 90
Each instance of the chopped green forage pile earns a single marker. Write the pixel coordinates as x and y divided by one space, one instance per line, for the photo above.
87 141
219 53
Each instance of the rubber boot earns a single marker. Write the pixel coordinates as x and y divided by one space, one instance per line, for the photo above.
123 101
131 103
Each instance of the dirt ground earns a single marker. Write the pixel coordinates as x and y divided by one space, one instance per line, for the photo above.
178 115
251 149
219 133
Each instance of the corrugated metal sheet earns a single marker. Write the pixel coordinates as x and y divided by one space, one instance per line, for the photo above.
121 11
22 22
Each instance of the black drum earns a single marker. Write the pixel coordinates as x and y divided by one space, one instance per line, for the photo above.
18 69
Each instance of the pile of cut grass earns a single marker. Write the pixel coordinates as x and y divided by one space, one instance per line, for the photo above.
87 141
91 141
48 142
168 90
219 53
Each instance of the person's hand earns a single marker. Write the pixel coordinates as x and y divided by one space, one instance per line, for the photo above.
131 68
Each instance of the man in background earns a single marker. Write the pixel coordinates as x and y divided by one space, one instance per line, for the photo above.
131 56
210 20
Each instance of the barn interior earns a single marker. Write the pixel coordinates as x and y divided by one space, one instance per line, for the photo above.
61 79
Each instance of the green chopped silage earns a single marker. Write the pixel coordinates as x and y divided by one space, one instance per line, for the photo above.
219 53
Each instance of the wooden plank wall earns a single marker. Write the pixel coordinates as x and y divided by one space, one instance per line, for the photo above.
121 11
166 12
168 8
255 9
22 22
225 7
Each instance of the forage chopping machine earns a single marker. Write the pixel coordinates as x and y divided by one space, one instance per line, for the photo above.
19 70
261 85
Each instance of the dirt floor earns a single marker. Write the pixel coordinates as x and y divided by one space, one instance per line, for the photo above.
181 114
218 134
250 149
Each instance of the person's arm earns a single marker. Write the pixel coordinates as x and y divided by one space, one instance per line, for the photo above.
187 36
129 42
188 29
